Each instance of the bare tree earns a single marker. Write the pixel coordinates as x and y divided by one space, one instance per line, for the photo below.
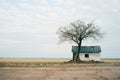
77 32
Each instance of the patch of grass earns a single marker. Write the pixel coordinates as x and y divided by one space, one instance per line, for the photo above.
27 64
41 64
52 62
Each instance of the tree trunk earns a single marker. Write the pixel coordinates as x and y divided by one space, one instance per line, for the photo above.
79 47
76 57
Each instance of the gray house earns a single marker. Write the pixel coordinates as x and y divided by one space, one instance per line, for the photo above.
88 52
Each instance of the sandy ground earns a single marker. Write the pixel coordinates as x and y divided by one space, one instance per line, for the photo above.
61 73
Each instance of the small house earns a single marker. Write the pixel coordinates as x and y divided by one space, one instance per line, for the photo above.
88 53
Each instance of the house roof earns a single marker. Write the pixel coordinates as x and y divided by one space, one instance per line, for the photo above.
87 49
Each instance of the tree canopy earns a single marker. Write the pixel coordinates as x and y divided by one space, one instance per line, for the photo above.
78 31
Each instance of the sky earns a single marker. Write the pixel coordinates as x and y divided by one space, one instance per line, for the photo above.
28 27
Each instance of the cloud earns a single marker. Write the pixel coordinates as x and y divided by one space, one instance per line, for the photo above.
30 25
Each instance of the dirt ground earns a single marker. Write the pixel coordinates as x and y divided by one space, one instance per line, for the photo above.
61 73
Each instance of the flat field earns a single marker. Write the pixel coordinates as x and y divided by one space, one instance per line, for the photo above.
29 69
32 60
19 60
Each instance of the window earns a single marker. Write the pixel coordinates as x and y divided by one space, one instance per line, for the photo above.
86 55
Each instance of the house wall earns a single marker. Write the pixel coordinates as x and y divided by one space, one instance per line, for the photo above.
92 56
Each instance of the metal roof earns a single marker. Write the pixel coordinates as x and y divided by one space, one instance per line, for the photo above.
87 49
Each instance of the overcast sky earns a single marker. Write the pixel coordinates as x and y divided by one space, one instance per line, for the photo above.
28 27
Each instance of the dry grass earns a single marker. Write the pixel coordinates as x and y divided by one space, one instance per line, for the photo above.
30 62
49 62
34 60
43 60
111 60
